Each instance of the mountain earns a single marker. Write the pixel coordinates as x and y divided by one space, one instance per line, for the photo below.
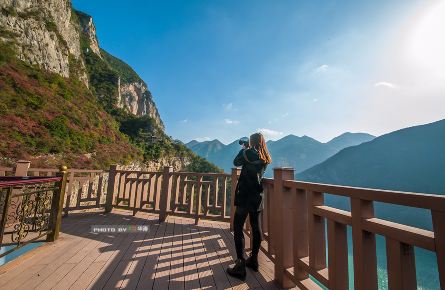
349 139
206 148
63 99
216 152
411 159
297 152
112 79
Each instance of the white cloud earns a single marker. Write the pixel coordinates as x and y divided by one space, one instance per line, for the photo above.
231 122
184 121
385 85
270 134
320 69
315 100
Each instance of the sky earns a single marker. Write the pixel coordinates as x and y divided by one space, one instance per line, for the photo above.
226 69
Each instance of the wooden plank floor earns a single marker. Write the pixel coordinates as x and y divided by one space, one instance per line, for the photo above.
175 254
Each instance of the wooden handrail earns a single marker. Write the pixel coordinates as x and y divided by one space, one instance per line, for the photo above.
197 195
8 181
298 226
420 200
303 236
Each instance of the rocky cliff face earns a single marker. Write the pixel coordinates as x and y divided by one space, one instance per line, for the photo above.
49 117
137 99
48 34
132 92
44 34
88 28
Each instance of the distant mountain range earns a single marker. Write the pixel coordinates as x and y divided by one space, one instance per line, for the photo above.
411 159
300 153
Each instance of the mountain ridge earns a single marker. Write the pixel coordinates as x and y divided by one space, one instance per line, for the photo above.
409 160
398 159
291 150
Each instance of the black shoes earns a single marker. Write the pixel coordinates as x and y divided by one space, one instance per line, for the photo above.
239 270
252 263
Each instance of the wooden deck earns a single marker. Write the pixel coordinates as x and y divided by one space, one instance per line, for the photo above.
176 254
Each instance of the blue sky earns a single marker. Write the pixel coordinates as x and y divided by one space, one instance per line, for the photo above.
225 69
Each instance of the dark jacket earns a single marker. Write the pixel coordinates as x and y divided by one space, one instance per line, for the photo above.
249 189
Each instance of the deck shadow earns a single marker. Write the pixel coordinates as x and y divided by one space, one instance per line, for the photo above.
175 254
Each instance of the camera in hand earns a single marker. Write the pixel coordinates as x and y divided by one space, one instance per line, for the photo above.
244 142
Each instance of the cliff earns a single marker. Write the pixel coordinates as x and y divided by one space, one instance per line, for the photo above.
130 91
50 35
43 34
63 99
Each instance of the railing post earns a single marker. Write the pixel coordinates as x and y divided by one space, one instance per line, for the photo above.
301 237
364 247
164 200
110 188
55 220
22 167
282 223
5 211
234 180
338 272
69 189
224 193
199 199
401 265
439 240
316 232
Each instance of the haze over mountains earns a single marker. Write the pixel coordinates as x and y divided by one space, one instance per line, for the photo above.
300 153
411 159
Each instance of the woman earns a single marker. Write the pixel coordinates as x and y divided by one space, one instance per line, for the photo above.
249 201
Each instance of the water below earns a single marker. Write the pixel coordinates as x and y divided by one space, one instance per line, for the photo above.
17 253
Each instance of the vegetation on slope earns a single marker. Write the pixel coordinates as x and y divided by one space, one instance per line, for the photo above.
142 131
50 120
43 113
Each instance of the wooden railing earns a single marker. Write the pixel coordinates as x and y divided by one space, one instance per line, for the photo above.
197 195
294 225
30 209
298 226
85 189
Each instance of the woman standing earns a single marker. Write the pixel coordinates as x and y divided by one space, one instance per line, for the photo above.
254 159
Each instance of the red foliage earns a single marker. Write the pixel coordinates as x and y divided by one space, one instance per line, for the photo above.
23 125
23 82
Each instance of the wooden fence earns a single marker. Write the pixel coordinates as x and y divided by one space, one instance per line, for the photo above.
189 194
294 225
297 226
85 189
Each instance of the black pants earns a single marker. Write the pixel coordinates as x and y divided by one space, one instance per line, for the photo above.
238 223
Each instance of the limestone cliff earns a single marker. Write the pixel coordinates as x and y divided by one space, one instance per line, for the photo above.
131 92
88 28
63 99
44 34
49 34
